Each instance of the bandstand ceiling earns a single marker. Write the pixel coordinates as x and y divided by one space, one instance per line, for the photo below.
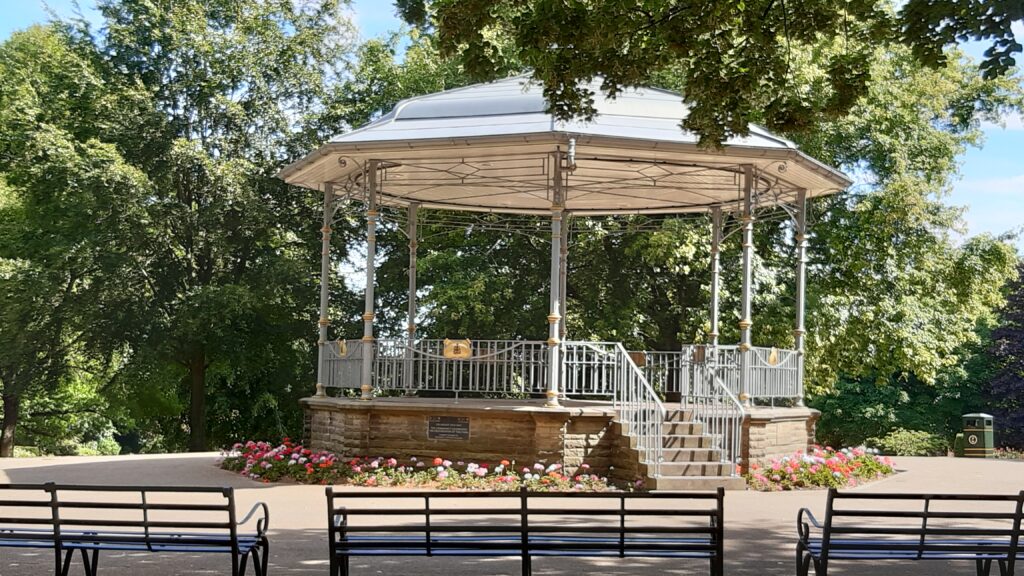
493 148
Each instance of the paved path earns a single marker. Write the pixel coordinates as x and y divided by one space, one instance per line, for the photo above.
759 526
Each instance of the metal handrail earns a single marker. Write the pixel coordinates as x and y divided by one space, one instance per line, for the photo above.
640 411
720 412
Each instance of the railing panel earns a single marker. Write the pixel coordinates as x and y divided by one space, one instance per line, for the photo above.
343 361
774 374
493 367
589 368
640 411
720 412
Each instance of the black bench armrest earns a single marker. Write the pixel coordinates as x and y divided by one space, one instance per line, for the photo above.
802 526
261 523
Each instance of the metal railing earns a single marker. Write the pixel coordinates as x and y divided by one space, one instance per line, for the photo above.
343 361
640 411
721 413
773 374
589 369
492 366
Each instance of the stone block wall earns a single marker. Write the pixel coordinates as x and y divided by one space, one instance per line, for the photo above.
775 432
390 427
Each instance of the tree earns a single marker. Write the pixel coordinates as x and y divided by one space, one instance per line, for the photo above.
69 212
1006 389
736 58
228 249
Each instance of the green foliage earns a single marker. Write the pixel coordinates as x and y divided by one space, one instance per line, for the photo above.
737 60
1006 385
144 219
903 442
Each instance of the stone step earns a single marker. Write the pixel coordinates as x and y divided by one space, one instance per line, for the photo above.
696 469
678 415
692 455
686 441
682 428
697 483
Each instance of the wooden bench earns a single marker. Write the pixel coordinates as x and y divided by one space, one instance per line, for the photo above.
861 526
91 519
525 524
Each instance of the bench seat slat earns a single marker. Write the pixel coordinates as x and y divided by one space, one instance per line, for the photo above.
440 528
182 506
516 512
922 514
911 531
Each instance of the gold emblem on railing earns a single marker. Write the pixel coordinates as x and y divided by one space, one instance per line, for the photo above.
342 348
458 349
773 357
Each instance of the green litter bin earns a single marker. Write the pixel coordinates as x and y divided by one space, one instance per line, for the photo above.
979 439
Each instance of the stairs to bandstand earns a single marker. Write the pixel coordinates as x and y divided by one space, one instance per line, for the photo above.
690 458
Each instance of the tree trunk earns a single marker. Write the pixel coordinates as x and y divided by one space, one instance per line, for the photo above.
12 405
197 402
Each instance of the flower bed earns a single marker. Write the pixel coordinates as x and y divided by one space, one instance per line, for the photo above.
265 462
821 468
1009 454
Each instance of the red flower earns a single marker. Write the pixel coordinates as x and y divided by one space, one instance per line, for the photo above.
438 461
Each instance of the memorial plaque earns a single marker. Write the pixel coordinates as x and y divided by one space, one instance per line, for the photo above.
447 427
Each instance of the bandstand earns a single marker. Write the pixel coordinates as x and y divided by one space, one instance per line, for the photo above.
679 418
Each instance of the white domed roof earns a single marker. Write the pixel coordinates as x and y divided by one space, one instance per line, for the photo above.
490 146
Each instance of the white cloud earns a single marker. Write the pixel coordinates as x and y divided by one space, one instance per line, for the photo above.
994 205
1009 122
1006 186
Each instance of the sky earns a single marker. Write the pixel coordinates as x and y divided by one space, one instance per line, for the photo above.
991 185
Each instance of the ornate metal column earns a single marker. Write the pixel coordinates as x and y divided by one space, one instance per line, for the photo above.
368 347
748 280
414 209
563 273
325 292
554 316
716 275
799 330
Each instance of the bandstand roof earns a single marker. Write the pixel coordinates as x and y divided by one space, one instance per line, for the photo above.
492 148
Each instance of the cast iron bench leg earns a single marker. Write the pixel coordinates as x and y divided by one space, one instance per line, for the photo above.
67 563
243 563
266 556
91 563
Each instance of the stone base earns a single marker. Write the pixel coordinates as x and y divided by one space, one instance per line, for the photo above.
776 432
520 430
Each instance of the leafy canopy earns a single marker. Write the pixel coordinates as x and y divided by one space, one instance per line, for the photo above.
736 58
